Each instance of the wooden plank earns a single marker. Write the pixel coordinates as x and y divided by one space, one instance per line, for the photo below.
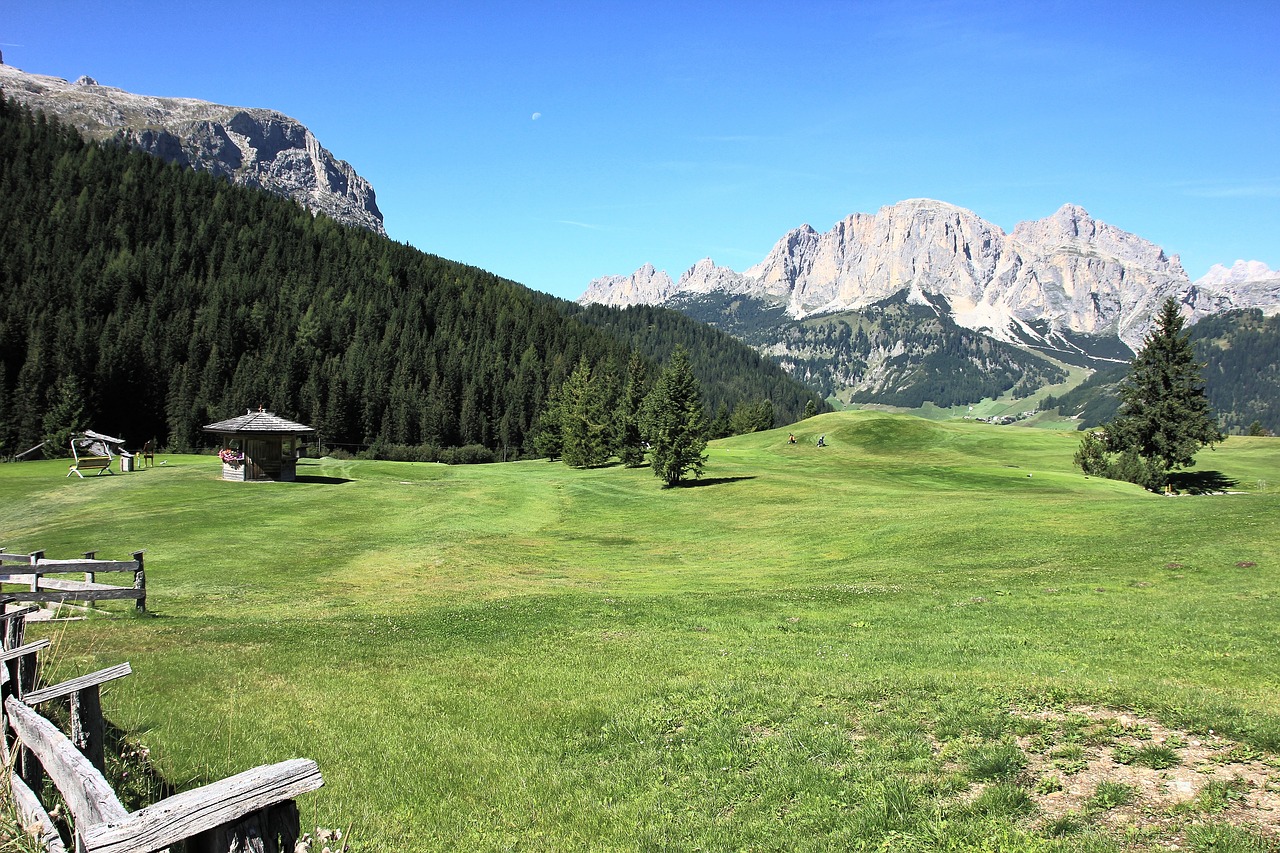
22 558
32 814
86 792
19 613
108 594
77 586
48 567
183 815
12 577
12 654
72 685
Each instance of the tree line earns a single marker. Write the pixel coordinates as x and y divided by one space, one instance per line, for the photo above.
145 300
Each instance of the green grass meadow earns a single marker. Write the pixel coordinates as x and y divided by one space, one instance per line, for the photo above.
810 649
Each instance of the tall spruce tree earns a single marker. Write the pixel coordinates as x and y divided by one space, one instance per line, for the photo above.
584 426
1164 415
628 439
674 422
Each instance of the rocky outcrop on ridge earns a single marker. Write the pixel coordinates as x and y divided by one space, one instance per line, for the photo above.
253 147
1066 274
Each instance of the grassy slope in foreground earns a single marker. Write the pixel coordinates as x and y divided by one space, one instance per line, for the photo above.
795 654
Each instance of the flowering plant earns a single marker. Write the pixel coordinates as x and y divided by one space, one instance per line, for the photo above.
231 457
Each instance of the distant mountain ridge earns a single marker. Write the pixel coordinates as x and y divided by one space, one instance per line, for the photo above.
253 147
1048 283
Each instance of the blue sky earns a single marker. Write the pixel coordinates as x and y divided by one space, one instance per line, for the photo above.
668 132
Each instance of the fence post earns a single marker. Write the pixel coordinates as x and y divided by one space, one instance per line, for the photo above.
140 582
88 728
90 577
36 556
26 674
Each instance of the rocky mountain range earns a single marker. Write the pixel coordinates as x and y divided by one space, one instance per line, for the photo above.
254 147
1050 283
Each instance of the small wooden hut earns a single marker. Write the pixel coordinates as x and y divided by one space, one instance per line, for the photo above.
260 446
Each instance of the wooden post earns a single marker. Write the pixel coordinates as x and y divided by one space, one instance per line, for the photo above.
26 672
36 556
88 728
271 830
15 627
90 577
140 581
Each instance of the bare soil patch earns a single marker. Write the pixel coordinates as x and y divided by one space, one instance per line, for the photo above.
1197 778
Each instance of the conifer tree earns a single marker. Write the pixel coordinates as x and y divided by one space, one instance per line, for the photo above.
584 429
548 440
629 442
674 422
1164 412
1164 415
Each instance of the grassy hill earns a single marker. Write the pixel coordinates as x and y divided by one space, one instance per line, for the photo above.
897 641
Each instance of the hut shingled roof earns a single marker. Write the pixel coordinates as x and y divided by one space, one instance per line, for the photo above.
259 422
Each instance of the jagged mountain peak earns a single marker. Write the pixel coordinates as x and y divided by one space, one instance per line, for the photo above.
251 146
1238 273
1065 274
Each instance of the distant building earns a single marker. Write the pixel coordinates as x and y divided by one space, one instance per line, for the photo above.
260 446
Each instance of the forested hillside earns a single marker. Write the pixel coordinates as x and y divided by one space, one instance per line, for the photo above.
1240 351
893 352
145 301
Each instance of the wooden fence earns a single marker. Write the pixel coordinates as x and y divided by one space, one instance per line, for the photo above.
31 572
251 811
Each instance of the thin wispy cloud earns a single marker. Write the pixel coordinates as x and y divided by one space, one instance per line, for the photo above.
587 225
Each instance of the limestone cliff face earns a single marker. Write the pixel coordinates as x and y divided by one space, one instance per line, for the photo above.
254 147
1065 274
645 286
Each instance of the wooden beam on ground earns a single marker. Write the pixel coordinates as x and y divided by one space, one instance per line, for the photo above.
74 685
46 567
78 586
30 648
86 792
33 814
187 814
105 594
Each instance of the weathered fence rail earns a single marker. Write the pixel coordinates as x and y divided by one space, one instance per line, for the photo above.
251 811
31 572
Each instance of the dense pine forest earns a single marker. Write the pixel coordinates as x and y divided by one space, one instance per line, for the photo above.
145 301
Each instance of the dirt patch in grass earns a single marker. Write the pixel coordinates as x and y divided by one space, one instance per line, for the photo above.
1172 780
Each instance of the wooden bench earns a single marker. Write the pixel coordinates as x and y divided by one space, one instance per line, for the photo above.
89 463
30 571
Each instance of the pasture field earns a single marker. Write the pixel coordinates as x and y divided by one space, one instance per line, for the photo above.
928 635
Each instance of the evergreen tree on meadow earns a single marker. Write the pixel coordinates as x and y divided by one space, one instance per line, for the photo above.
719 427
630 444
674 422
584 424
548 439
1164 415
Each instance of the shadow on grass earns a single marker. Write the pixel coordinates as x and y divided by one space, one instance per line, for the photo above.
1201 482
316 478
711 481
